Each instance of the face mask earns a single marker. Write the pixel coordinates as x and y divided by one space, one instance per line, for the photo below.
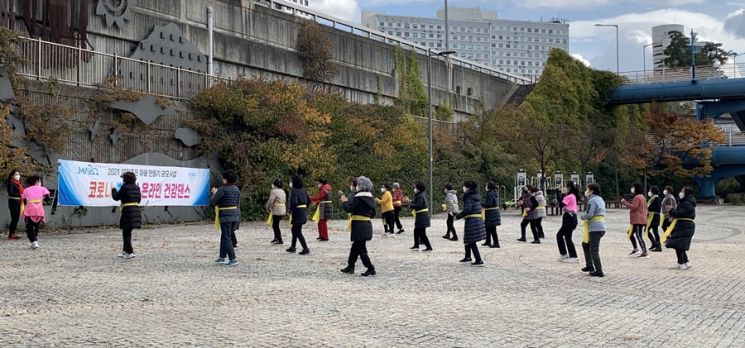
682 195
290 185
649 193
17 176
465 189
665 192
633 190
416 191
351 188
588 193
382 190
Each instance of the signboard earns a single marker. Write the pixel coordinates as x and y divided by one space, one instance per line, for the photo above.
89 184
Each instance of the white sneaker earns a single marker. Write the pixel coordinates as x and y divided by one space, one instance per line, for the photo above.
571 260
681 267
129 256
35 245
562 258
123 254
688 265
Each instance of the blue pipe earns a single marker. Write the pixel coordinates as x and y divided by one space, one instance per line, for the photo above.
679 91
728 156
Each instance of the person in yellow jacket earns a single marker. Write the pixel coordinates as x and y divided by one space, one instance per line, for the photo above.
386 208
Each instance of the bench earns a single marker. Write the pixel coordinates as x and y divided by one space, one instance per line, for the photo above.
613 204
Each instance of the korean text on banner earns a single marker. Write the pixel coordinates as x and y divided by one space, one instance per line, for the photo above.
89 184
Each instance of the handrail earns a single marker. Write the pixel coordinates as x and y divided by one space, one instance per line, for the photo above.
304 12
707 72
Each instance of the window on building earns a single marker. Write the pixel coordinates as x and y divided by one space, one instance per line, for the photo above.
390 33
508 45
431 44
406 34
416 35
550 31
398 33
431 35
382 24
543 31
493 45
406 25
415 26
439 27
439 36
530 30
439 44
398 25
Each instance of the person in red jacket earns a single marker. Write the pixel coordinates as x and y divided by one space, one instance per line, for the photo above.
324 207
637 219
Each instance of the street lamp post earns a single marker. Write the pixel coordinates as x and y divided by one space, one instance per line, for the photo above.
644 54
447 29
429 113
617 53
734 63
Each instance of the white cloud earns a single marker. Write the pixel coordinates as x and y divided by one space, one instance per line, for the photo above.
582 59
598 44
348 10
735 23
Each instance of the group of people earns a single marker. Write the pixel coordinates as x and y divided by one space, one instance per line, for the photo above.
482 217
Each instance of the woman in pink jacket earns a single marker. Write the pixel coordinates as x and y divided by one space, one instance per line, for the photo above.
33 213
638 219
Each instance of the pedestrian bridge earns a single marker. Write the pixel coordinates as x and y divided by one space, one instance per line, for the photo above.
714 95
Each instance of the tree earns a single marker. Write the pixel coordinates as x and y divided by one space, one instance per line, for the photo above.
672 145
315 52
679 52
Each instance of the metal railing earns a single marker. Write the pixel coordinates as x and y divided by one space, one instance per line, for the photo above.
733 137
684 74
336 23
45 60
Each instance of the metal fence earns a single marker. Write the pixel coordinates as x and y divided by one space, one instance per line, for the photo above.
45 60
726 71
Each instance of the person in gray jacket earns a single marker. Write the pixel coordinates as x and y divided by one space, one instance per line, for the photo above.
276 206
451 207
668 204
227 205
595 225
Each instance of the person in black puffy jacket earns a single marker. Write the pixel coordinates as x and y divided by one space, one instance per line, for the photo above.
683 227
421 216
492 217
361 209
129 195
474 230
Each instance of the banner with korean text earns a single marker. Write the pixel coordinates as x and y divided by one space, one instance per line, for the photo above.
89 184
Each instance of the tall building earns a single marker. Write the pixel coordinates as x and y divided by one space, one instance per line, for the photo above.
517 47
661 40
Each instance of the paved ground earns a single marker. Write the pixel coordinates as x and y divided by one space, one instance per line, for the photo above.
74 291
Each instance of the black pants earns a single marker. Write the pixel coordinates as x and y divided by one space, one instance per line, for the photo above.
227 230
564 236
32 230
276 219
14 206
491 236
682 256
359 248
297 235
637 236
233 239
451 226
592 252
389 218
472 247
127 238
653 232
537 228
420 236
665 224
396 219
524 224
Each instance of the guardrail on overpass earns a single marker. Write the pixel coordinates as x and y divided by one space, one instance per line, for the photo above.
708 72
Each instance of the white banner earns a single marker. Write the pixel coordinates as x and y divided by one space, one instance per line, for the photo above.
89 184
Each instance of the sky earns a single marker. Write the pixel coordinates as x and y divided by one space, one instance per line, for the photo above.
714 20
